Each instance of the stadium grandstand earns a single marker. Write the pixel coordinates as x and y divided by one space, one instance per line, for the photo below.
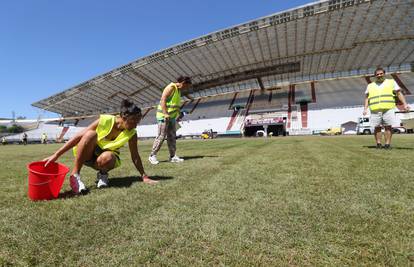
292 72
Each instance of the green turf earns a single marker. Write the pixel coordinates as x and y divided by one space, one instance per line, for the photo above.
332 201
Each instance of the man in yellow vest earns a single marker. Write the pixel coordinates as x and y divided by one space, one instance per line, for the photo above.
167 113
380 98
24 139
98 147
43 138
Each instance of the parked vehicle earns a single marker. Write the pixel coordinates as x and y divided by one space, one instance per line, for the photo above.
399 130
260 133
208 134
364 126
332 131
407 120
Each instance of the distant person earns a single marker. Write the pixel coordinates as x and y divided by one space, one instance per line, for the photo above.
380 98
98 146
24 139
3 141
43 138
167 114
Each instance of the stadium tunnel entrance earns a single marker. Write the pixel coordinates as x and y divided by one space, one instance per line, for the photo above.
265 125
265 130
276 130
252 130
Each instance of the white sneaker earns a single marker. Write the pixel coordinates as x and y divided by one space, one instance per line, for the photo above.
176 159
153 160
78 187
102 180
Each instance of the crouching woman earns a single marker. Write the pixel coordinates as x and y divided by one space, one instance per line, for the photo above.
98 146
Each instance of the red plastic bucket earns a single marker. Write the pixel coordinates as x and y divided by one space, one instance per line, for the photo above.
46 182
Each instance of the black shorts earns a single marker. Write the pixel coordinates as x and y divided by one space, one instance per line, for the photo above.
96 153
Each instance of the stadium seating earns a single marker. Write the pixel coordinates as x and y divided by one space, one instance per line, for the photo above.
52 131
339 93
337 101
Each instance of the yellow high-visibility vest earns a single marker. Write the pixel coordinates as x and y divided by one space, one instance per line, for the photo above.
173 104
381 98
106 122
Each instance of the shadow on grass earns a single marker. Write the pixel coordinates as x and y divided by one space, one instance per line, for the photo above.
68 194
192 157
114 182
129 180
392 148
198 157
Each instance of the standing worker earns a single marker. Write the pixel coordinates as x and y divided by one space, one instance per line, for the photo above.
167 112
380 98
24 139
43 138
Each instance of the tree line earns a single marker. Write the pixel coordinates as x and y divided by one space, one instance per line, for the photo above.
12 129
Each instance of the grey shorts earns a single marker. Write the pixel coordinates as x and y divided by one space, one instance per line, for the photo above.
386 118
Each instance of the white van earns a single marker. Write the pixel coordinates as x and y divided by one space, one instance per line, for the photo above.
364 127
407 120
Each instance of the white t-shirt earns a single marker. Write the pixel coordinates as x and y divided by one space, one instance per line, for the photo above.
396 87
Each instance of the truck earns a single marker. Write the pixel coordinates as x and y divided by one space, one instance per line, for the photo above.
208 134
332 131
364 126
407 120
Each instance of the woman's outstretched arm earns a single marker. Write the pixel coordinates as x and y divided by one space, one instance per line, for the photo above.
71 143
136 159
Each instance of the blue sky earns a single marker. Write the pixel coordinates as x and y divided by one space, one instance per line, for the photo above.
48 46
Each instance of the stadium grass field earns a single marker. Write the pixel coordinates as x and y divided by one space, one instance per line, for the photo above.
270 202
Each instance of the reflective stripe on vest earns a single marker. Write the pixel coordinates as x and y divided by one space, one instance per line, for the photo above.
173 104
381 98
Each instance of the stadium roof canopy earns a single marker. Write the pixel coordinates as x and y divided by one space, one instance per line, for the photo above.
320 40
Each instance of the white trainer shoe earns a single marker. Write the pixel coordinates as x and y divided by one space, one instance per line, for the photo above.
176 159
153 160
78 187
102 180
